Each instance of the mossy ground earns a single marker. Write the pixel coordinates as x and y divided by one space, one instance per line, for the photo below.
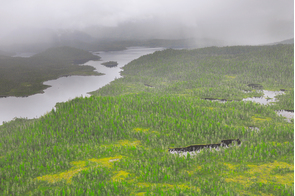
117 143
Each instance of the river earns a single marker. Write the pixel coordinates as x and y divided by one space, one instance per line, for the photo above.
67 88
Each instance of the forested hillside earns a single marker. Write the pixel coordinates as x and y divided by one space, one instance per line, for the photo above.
213 72
25 76
116 142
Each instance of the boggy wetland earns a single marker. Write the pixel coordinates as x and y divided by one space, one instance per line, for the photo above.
116 141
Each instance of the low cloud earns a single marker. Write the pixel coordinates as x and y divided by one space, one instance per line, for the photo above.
240 22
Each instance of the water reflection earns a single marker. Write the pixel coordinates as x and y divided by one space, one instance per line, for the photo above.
288 114
67 88
268 99
218 100
25 55
256 129
269 96
193 153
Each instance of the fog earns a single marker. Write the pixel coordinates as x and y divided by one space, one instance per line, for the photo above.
234 22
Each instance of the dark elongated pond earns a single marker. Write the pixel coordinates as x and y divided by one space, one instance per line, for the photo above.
66 88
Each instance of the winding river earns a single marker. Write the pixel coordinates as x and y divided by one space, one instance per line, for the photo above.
67 88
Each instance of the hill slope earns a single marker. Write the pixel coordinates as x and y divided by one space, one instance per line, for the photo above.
117 143
25 76
213 72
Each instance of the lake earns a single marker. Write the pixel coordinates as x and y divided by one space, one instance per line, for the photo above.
67 88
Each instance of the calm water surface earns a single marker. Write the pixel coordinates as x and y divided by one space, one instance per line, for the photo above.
67 88
269 98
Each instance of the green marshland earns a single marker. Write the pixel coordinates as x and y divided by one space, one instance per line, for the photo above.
116 141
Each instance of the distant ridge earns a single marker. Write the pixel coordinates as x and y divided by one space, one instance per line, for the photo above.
287 41
66 53
25 76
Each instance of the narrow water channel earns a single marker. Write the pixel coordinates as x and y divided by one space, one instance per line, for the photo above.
67 88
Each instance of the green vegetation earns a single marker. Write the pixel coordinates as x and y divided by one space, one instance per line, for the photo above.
221 73
110 64
25 76
117 143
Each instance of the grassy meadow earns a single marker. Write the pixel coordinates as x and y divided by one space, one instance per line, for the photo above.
116 141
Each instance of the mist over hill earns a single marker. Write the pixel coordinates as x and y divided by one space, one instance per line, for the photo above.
33 26
287 41
24 40
25 76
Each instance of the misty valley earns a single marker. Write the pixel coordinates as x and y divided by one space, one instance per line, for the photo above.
134 108
68 87
25 76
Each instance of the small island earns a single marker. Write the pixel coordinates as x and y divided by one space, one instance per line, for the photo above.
110 64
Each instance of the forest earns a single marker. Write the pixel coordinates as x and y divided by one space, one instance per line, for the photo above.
25 76
116 141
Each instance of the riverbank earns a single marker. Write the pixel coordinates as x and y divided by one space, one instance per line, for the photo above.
68 87
21 77
218 73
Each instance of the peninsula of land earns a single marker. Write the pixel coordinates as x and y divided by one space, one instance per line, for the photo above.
25 76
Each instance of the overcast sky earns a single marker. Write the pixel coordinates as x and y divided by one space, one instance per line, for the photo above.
241 21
